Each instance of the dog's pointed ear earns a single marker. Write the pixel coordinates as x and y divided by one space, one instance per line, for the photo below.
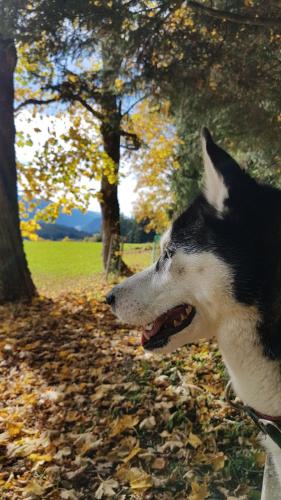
221 172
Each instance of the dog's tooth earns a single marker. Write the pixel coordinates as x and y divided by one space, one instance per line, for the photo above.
188 309
149 326
176 322
146 335
183 317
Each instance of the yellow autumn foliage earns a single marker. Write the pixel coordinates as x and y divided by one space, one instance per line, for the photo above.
62 167
154 163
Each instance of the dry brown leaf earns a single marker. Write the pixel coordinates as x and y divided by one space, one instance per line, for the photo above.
68 494
148 423
106 489
102 391
123 423
62 452
34 488
25 446
139 480
134 452
159 463
172 445
86 442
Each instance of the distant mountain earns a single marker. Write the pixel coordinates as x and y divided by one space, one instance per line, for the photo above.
58 232
79 225
88 222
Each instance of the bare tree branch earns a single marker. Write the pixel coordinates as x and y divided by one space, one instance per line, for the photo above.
84 103
235 18
135 141
134 104
36 101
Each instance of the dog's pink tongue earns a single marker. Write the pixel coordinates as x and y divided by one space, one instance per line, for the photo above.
159 322
143 340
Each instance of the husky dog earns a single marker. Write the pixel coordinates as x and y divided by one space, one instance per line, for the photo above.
219 275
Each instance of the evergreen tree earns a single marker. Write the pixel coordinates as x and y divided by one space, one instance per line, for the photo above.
219 66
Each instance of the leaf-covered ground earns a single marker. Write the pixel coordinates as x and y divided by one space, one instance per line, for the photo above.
85 414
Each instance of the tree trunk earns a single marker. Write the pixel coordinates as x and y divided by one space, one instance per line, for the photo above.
110 131
15 279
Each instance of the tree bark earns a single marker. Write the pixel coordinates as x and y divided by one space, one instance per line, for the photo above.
15 279
110 131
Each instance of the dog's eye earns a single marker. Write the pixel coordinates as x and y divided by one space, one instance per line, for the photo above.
168 254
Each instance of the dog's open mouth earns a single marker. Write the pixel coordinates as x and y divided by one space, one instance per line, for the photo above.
157 333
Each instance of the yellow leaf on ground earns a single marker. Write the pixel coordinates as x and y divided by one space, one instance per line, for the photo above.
260 457
132 454
123 423
218 461
14 429
102 391
133 341
198 492
34 488
36 457
194 440
139 479
30 399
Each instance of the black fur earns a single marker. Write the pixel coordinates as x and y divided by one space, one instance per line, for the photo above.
247 237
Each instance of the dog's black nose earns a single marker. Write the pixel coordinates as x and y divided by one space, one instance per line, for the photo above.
110 299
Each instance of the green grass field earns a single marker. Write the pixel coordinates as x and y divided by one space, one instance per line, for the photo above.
58 266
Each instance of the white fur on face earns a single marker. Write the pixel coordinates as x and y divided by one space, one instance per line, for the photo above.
165 240
200 279
214 188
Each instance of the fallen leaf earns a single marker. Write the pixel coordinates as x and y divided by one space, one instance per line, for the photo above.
194 440
138 478
218 461
198 491
34 488
36 457
260 458
132 454
102 391
123 423
148 423
68 495
14 429
159 463
106 489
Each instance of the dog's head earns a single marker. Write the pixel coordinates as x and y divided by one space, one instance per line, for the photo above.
214 264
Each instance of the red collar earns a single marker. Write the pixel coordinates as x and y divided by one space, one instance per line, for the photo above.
267 417
254 414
